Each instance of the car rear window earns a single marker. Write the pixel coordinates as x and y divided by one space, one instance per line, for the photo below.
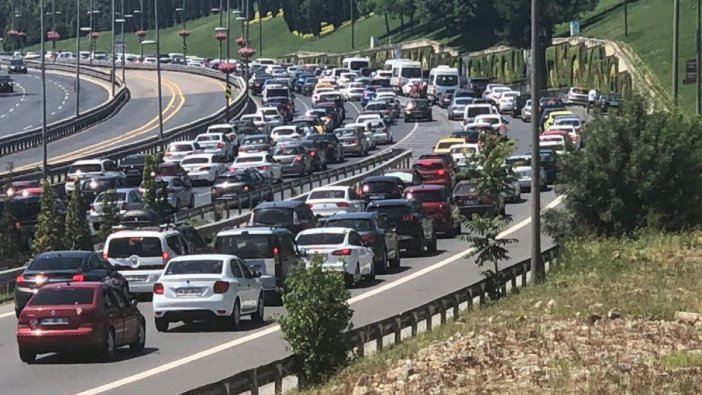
195 161
327 195
255 140
273 216
238 177
208 137
93 168
320 239
474 111
195 267
55 263
284 132
62 296
124 247
425 196
464 150
286 151
446 144
361 225
180 148
392 212
428 166
519 162
465 188
133 160
248 159
378 186
246 246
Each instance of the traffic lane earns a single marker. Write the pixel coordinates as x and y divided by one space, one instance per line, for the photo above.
138 116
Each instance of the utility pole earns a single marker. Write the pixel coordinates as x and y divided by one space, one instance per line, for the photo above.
698 38
229 41
676 48
353 26
92 29
260 31
158 72
124 44
185 38
53 28
626 19
77 58
113 73
537 264
44 144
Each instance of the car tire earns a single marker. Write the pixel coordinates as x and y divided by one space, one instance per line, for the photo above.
258 315
107 349
395 263
432 246
419 248
383 266
192 202
235 318
371 276
96 226
161 324
27 357
140 340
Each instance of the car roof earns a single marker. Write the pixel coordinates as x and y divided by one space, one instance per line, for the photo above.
331 229
425 187
88 161
76 284
331 188
427 161
390 202
257 230
200 155
66 253
280 204
381 178
203 257
142 233
356 215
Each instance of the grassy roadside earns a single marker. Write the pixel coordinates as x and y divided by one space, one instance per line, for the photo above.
557 336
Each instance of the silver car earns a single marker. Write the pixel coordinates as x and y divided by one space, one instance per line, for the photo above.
353 140
127 199
294 158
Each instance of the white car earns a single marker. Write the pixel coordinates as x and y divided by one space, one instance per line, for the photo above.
507 100
382 134
261 124
287 133
526 111
367 132
471 111
342 249
464 152
216 143
325 201
347 77
89 168
365 117
272 116
498 123
197 287
489 88
178 150
575 122
521 165
354 94
407 87
317 93
263 162
570 130
557 146
204 167
497 92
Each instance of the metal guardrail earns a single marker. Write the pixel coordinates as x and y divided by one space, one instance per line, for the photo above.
26 140
515 276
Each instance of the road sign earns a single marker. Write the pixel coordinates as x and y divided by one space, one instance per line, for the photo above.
228 92
574 28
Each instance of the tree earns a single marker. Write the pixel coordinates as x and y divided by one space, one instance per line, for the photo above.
10 234
490 171
77 235
109 219
47 236
318 316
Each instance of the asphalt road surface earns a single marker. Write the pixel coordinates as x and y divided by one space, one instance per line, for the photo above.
21 111
192 355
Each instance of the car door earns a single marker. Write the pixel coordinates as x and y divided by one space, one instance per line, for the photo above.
243 285
115 315
130 315
133 201
252 287
391 241
364 254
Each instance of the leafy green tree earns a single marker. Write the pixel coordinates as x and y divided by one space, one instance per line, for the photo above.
489 169
49 230
489 248
109 218
149 182
77 235
10 235
640 169
318 316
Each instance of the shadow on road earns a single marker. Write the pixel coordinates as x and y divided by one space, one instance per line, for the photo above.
217 326
121 354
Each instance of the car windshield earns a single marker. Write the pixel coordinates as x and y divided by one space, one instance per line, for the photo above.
446 80
474 111
463 101
284 132
392 212
254 140
519 162
133 160
464 188
180 148
195 161
579 91
238 177
287 151
270 112
194 267
124 247
16 62
246 246
87 168
411 72
445 144
276 92
248 159
273 216
425 196
378 187
331 194
464 150
45 263
62 296
320 239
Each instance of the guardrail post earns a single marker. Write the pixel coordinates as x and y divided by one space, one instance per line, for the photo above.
442 313
282 192
238 204
250 200
456 306
482 293
361 343
336 173
415 319
470 298
429 318
379 340
254 381
398 330
525 272
278 383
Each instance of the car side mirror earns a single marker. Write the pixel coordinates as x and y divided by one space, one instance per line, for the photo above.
257 274
208 240
134 302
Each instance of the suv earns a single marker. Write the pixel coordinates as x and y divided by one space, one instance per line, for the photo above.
89 168
26 208
415 229
142 253
6 84
270 251
17 65
438 203
380 187
292 214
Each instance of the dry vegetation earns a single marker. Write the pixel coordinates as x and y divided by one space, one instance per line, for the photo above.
605 323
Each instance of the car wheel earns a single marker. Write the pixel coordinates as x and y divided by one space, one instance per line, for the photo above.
107 352
27 356
431 247
161 324
259 314
371 276
140 340
395 263
192 202
383 266
235 318
419 247
96 226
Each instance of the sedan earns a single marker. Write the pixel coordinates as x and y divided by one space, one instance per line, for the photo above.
294 159
241 182
255 144
216 143
342 249
204 167
418 109
178 150
79 316
330 144
319 156
325 201
127 199
263 162
287 133
207 288
353 140
469 202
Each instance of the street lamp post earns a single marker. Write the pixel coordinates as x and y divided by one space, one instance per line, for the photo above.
184 33
44 146
353 27
158 71
113 76
141 33
536 262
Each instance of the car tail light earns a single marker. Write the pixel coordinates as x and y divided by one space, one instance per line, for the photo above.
298 157
69 179
78 277
264 167
342 204
407 217
310 205
313 153
104 255
158 289
343 251
20 279
165 257
368 238
441 172
221 287
275 251
355 141
232 168
18 225
220 145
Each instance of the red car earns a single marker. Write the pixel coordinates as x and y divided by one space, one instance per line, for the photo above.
438 203
435 171
88 317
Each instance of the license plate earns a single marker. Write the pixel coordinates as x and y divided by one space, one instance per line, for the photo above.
470 202
188 291
54 321
372 197
136 278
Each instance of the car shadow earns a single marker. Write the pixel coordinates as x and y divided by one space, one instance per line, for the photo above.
398 270
363 284
121 354
218 326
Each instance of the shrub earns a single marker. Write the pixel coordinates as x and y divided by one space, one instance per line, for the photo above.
77 235
318 316
49 230
109 213
10 235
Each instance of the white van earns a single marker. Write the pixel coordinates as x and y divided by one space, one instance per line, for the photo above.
442 79
265 61
390 63
402 72
338 71
471 111
355 64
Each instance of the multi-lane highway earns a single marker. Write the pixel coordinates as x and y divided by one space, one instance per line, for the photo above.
184 100
21 111
192 355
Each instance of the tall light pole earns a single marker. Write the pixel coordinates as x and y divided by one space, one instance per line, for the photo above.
44 145
184 32
158 72
353 26
92 27
676 48
698 40
229 41
113 77
626 19
536 262
140 11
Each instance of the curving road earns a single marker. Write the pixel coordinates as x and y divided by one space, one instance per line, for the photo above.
184 100
21 110
193 355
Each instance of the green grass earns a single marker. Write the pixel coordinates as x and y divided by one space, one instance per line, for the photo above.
681 359
651 36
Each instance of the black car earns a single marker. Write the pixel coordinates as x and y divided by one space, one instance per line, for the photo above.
519 104
549 161
64 266
258 83
409 176
244 127
606 101
26 211
197 244
133 167
240 183
381 187
418 109
90 188
308 87
291 214
376 232
17 66
445 100
330 144
478 84
415 229
319 156
6 83
470 136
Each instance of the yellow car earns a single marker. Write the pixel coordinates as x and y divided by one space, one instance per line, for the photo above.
444 145
552 117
